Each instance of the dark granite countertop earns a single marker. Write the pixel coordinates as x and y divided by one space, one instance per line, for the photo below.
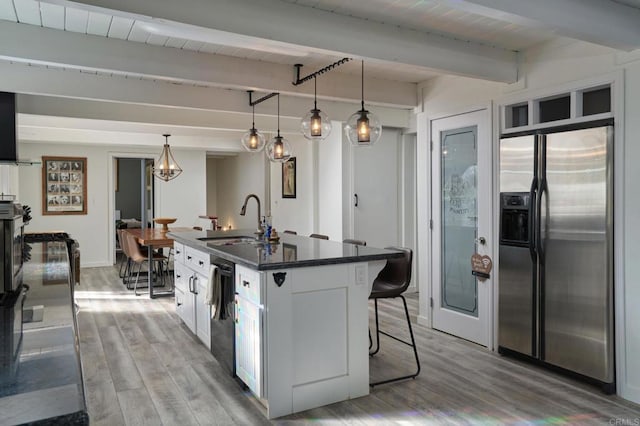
44 384
292 251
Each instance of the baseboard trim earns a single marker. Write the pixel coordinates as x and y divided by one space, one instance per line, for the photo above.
94 264
629 392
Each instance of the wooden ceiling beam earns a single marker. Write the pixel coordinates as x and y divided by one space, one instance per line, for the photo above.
278 24
603 22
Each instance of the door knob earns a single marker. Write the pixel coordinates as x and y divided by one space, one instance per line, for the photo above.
481 240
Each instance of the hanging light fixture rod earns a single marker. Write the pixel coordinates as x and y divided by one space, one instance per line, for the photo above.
298 67
262 99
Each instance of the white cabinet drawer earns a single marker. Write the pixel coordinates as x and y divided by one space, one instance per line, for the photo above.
178 252
181 277
248 284
197 260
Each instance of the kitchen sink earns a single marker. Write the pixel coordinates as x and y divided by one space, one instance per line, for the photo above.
227 241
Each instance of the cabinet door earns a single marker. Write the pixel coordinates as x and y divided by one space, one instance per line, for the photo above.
249 345
180 299
203 311
181 277
189 306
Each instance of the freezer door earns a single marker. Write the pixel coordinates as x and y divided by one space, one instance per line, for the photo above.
516 265
515 300
576 253
516 163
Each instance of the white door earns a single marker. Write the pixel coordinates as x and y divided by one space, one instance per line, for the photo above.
462 219
375 191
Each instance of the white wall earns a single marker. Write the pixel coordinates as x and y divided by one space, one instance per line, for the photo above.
546 66
295 214
212 187
92 230
9 180
237 177
631 231
408 200
330 183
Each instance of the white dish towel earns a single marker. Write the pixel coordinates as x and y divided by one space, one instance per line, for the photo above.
214 292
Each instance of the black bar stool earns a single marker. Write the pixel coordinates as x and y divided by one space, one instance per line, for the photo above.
390 283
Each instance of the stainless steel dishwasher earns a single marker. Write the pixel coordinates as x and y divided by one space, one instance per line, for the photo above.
223 329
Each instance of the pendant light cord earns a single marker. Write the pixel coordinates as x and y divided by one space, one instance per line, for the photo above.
278 114
315 92
362 82
253 118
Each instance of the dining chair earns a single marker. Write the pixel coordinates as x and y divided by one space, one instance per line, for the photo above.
319 236
124 261
138 257
356 242
392 281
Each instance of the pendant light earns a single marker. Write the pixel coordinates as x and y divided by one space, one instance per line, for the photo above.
165 167
315 125
253 140
363 127
278 149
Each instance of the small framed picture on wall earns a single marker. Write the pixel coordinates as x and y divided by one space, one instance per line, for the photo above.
64 185
289 178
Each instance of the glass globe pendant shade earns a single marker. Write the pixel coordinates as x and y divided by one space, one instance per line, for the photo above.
165 167
315 125
253 140
363 128
278 150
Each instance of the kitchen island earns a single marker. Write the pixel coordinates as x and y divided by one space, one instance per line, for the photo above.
301 312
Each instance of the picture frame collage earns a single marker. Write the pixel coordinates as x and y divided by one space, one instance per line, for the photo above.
64 185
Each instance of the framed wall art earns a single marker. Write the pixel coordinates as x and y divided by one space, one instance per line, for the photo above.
289 252
64 185
289 178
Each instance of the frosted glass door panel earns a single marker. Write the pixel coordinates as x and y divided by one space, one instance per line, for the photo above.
459 225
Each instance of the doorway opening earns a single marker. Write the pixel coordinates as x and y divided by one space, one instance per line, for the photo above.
134 195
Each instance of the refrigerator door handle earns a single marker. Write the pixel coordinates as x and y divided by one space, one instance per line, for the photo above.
532 223
539 242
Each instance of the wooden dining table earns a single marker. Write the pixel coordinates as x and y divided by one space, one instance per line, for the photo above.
154 238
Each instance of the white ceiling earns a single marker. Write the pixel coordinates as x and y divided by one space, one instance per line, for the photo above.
433 17
402 41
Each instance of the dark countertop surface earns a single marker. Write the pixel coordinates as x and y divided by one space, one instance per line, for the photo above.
44 385
292 251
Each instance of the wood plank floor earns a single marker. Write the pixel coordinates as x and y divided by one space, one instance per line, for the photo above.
142 366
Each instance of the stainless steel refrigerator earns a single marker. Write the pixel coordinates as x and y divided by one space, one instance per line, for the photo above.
556 249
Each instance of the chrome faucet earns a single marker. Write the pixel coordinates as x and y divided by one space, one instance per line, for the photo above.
243 211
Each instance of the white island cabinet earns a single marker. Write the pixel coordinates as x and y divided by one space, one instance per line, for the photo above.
191 275
301 335
249 328
301 313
